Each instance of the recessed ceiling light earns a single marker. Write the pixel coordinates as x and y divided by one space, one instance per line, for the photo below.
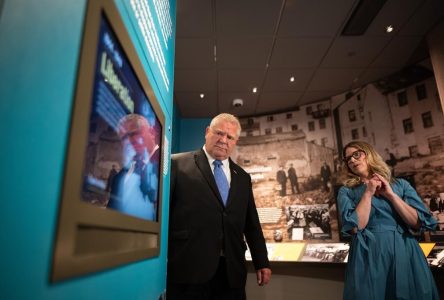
254 89
389 29
292 79
202 96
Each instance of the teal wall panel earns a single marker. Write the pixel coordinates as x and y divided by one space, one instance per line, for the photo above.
163 90
191 133
40 45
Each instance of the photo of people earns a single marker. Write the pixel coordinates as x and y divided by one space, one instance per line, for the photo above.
308 222
293 188
436 256
331 253
294 157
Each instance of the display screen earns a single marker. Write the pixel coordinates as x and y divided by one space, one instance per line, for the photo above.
122 159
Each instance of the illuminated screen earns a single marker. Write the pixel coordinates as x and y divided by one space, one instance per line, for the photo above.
122 159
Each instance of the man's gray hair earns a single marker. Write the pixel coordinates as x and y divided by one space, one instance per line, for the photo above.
224 117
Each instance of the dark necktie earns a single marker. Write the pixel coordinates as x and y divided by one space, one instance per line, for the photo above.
140 168
221 180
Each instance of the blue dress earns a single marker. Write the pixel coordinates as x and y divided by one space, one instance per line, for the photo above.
385 260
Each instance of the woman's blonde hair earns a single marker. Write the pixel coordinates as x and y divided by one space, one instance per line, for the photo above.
375 163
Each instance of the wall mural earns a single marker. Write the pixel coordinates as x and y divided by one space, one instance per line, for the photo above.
294 161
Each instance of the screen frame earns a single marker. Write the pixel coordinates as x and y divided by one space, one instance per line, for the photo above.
90 238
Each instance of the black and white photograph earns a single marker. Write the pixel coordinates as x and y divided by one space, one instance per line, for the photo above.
308 222
436 205
330 253
436 256
294 157
292 183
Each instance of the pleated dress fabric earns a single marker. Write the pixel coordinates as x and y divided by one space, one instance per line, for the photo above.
385 260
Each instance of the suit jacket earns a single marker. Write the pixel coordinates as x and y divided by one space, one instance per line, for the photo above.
200 227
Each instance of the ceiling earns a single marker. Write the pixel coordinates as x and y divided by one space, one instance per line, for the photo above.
224 48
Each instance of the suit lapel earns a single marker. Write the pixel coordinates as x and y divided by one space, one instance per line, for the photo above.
205 169
234 181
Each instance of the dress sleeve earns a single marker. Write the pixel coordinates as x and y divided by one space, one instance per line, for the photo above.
428 222
347 210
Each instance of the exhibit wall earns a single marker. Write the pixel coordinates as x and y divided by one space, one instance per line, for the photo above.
294 159
290 275
41 43
295 162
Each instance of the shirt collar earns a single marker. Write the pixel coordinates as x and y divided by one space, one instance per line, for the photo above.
225 162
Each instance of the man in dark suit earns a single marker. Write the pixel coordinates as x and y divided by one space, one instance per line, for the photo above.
206 251
134 189
325 176
293 180
281 177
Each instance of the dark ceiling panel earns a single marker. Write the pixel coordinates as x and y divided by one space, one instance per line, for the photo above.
354 52
424 19
299 52
333 79
194 53
186 80
192 106
395 13
243 52
246 17
314 18
240 80
307 44
200 12
397 53
279 80
362 16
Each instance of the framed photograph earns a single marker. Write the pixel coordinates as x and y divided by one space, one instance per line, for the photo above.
112 189
436 205
308 222
436 256
329 252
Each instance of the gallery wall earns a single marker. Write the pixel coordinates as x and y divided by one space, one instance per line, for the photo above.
325 280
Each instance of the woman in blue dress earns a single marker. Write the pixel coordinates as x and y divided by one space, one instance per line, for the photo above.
385 260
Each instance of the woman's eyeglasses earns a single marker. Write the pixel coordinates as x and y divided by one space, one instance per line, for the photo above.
356 155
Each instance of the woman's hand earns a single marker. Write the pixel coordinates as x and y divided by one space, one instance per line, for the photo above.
384 188
373 185
408 214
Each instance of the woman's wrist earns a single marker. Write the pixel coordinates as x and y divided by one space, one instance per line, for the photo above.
391 197
369 193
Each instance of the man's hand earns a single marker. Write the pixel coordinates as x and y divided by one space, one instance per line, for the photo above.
263 276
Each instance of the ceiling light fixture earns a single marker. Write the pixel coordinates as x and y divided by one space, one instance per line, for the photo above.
292 79
254 89
389 29
202 96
